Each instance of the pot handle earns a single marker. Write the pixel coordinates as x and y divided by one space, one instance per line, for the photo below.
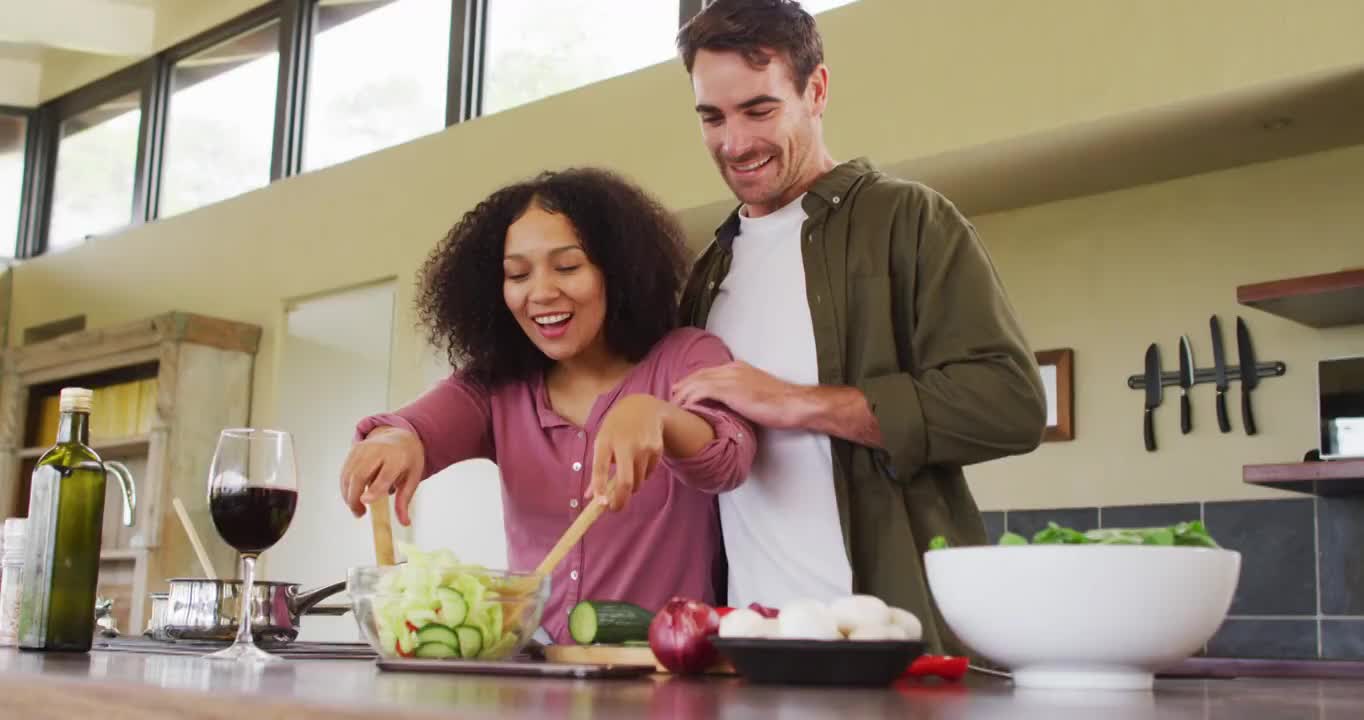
129 487
304 601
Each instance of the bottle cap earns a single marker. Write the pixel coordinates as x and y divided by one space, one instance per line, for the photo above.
76 399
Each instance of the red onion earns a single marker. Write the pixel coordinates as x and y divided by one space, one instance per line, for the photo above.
766 612
680 635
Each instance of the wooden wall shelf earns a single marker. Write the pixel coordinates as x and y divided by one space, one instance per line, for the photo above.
1320 301
1329 477
203 368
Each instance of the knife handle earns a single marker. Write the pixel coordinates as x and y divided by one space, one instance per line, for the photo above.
1247 418
1185 421
1148 430
1223 421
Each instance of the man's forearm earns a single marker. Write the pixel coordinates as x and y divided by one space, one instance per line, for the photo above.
837 410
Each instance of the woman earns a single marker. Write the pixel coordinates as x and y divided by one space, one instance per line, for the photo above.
556 298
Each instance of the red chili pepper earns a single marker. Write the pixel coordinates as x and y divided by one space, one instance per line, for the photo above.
946 667
398 648
723 611
410 626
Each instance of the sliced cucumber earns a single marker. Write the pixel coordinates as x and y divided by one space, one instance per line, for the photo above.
470 641
438 634
599 621
436 650
453 610
420 618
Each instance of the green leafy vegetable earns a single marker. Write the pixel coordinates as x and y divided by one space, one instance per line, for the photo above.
1009 538
1185 534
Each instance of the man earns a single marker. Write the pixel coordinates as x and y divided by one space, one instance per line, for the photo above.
873 338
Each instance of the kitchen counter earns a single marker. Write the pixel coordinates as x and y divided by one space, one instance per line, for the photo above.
112 686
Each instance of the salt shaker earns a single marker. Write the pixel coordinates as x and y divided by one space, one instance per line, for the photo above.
11 579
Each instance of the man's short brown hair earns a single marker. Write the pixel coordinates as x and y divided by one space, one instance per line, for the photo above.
755 29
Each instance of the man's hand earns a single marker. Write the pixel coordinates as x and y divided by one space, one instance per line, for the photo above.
388 459
631 438
834 410
747 390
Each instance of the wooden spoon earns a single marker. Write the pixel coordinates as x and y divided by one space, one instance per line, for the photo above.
204 563
382 525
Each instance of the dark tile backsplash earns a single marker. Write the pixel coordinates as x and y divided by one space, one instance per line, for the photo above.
994 525
1342 639
1340 531
1137 516
1278 553
1027 522
1278 639
1301 590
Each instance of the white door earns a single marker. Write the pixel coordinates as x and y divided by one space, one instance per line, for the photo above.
334 370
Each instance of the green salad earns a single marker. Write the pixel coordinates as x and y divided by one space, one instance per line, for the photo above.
1187 534
434 607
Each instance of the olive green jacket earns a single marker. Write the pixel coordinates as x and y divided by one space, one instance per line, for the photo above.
907 307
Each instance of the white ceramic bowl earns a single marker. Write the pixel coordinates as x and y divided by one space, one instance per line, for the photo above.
1083 616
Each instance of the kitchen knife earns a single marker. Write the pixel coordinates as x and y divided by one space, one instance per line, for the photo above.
1148 427
1245 354
1186 381
1219 361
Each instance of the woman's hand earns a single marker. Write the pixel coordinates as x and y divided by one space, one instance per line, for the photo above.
389 459
631 438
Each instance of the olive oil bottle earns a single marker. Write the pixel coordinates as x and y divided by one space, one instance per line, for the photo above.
65 523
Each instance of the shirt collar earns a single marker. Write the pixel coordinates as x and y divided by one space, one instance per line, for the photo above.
827 192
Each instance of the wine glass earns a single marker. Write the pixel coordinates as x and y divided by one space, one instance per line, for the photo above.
252 493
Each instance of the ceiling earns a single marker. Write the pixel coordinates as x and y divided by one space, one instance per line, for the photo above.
42 41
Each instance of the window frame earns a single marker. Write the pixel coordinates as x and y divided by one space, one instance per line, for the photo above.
151 78
30 116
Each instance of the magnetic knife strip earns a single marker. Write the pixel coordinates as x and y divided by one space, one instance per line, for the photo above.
1209 375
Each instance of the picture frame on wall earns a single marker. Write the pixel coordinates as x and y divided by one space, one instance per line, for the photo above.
1057 377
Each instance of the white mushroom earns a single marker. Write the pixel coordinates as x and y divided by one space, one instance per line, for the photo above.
808 620
742 623
906 619
879 632
857 611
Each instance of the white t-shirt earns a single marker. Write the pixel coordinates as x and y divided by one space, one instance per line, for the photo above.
781 527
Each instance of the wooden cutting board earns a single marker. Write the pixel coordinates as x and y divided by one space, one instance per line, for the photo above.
617 655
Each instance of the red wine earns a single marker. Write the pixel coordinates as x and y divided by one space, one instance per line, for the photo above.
251 518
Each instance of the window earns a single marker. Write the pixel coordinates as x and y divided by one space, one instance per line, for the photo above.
535 48
96 157
379 72
220 127
13 129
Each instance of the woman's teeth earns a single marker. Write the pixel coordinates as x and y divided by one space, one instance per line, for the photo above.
552 319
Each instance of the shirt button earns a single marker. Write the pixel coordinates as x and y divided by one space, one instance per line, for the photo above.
577 466
740 436
573 503
816 299
580 434
811 238
573 575
836 199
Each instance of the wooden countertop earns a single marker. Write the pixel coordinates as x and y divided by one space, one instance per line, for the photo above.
113 686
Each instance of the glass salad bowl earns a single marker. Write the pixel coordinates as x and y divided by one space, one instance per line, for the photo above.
440 610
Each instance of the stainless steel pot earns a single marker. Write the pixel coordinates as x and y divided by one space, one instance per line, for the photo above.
156 626
201 609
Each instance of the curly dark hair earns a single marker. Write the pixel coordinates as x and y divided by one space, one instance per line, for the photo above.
755 29
633 239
